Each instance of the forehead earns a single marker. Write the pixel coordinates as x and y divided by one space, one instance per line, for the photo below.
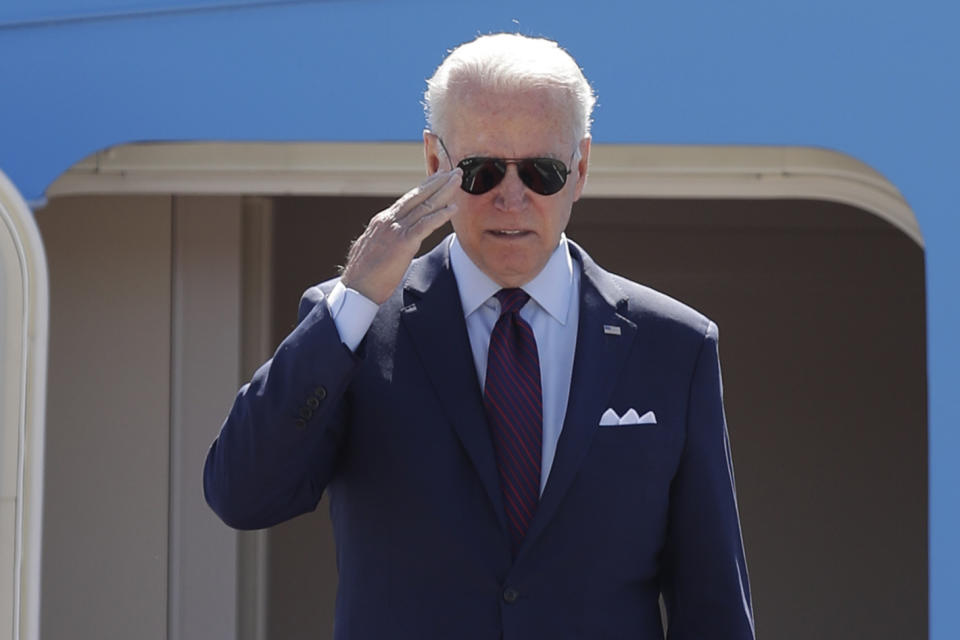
515 123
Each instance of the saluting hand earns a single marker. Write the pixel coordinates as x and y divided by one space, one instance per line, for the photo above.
378 259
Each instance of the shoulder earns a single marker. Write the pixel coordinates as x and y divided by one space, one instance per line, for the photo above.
643 305
652 305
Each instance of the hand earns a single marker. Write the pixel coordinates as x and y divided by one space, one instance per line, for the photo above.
378 259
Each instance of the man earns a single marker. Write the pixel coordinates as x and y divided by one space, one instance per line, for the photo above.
517 444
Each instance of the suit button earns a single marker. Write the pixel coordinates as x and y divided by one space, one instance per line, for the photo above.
300 423
312 402
321 392
306 413
510 595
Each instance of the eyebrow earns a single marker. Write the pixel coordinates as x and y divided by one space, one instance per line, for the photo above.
552 156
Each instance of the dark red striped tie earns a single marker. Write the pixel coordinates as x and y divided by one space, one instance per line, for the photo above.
514 406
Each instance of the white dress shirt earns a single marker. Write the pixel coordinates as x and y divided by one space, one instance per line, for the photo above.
552 312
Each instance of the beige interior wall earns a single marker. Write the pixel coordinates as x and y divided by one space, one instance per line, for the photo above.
108 417
821 315
205 369
145 357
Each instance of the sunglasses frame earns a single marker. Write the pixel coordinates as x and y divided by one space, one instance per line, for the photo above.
506 162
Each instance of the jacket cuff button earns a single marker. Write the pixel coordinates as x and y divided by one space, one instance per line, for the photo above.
321 392
313 402
306 413
300 423
510 595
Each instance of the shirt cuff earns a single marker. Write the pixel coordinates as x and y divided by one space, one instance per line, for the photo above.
352 314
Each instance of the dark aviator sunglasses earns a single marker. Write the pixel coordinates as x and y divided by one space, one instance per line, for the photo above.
545 176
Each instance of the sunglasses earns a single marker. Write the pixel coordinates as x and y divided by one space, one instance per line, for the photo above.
545 176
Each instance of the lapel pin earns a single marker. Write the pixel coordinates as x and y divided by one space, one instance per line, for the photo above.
611 330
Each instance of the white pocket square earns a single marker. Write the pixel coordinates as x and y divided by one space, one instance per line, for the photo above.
631 417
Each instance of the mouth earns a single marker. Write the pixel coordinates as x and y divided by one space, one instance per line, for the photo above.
509 233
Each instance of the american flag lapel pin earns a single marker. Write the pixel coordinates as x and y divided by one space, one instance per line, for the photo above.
611 330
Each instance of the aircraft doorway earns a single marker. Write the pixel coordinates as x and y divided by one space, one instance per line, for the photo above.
188 257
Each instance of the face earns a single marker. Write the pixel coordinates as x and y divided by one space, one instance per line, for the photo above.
510 231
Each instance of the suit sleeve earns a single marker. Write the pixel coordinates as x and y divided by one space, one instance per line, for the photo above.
704 577
277 449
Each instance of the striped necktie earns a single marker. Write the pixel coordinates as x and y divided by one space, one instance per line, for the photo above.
514 406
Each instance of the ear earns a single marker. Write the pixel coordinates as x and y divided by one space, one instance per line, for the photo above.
582 165
431 152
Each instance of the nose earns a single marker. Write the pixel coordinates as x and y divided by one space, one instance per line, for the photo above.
511 192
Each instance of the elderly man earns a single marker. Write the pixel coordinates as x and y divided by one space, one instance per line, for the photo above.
517 444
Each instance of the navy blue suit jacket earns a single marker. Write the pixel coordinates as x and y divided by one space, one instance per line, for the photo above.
396 433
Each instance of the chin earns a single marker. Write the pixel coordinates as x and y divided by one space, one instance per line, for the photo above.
512 275
511 267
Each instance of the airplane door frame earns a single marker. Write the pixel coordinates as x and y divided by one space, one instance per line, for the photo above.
24 309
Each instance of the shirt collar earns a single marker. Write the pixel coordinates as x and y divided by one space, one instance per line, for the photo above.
551 288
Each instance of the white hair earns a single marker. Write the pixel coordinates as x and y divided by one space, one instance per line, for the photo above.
505 62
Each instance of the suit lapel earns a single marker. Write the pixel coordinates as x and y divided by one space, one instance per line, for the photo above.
433 317
598 360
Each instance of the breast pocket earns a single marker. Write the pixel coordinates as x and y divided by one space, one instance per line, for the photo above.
638 453
623 484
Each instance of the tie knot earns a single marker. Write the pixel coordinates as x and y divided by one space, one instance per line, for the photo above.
511 300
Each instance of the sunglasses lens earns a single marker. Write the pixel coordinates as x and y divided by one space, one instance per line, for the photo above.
481 174
543 175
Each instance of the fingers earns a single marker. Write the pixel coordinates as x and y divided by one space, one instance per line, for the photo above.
433 212
430 222
431 195
381 255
